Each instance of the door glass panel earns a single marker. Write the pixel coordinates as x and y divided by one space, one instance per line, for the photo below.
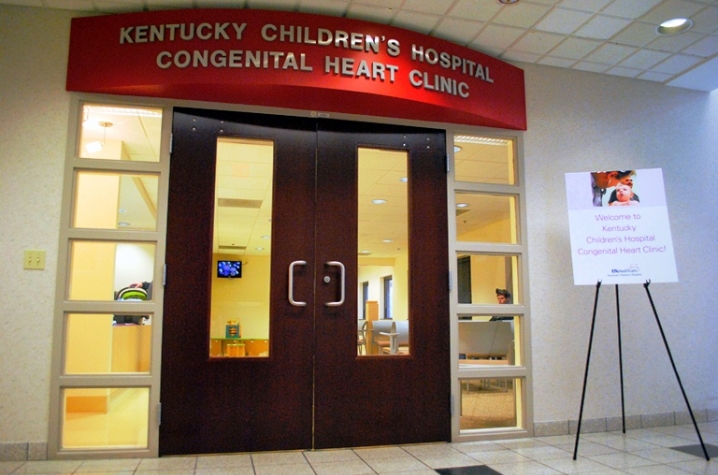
490 403
482 159
106 343
110 132
107 270
383 250
115 200
241 246
105 417
482 217
486 340
488 279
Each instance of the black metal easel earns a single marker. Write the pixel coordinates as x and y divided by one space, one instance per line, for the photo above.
620 364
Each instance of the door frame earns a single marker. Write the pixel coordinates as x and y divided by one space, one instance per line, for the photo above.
58 381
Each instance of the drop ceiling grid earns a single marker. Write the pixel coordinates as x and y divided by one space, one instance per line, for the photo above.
594 35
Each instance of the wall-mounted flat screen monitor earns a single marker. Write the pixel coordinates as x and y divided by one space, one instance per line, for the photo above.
229 269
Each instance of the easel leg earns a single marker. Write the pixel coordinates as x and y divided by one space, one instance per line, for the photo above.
585 375
670 356
620 362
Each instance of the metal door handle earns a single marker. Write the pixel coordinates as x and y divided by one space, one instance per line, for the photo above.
343 281
290 295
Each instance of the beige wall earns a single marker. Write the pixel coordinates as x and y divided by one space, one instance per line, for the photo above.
245 300
33 130
580 122
577 122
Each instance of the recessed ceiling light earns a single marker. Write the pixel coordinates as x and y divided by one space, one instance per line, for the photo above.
457 149
387 240
462 205
123 224
265 237
378 201
364 253
403 179
508 2
674 26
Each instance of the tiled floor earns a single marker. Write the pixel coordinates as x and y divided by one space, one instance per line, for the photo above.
638 452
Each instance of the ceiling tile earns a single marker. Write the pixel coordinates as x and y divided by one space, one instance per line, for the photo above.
546 2
458 31
575 48
560 62
420 22
272 4
676 64
219 4
497 37
706 21
109 6
675 43
705 48
24 3
630 8
520 56
585 5
537 42
79 5
523 15
435 7
611 53
562 21
379 3
163 4
602 27
654 76
624 72
644 59
672 9
592 67
481 10
324 7
637 34
368 13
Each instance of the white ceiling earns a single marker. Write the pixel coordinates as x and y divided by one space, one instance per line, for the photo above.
616 37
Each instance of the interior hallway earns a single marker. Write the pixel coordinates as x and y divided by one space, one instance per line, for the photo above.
638 452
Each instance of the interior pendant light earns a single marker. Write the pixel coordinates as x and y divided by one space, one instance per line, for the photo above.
96 146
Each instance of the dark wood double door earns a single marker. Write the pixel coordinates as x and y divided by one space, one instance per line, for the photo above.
313 391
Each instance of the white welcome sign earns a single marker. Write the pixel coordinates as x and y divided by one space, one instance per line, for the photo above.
619 227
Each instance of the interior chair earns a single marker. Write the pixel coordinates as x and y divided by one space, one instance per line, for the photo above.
398 336
362 337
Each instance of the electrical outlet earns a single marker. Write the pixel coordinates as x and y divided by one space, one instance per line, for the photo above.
34 260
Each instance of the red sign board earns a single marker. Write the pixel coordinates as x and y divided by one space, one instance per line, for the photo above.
293 60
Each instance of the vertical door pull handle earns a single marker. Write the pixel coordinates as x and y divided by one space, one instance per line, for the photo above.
291 283
341 284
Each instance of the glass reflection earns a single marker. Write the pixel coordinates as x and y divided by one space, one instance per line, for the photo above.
111 132
105 417
480 159
239 314
481 276
489 340
383 270
489 403
106 270
115 200
482 217
98 344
